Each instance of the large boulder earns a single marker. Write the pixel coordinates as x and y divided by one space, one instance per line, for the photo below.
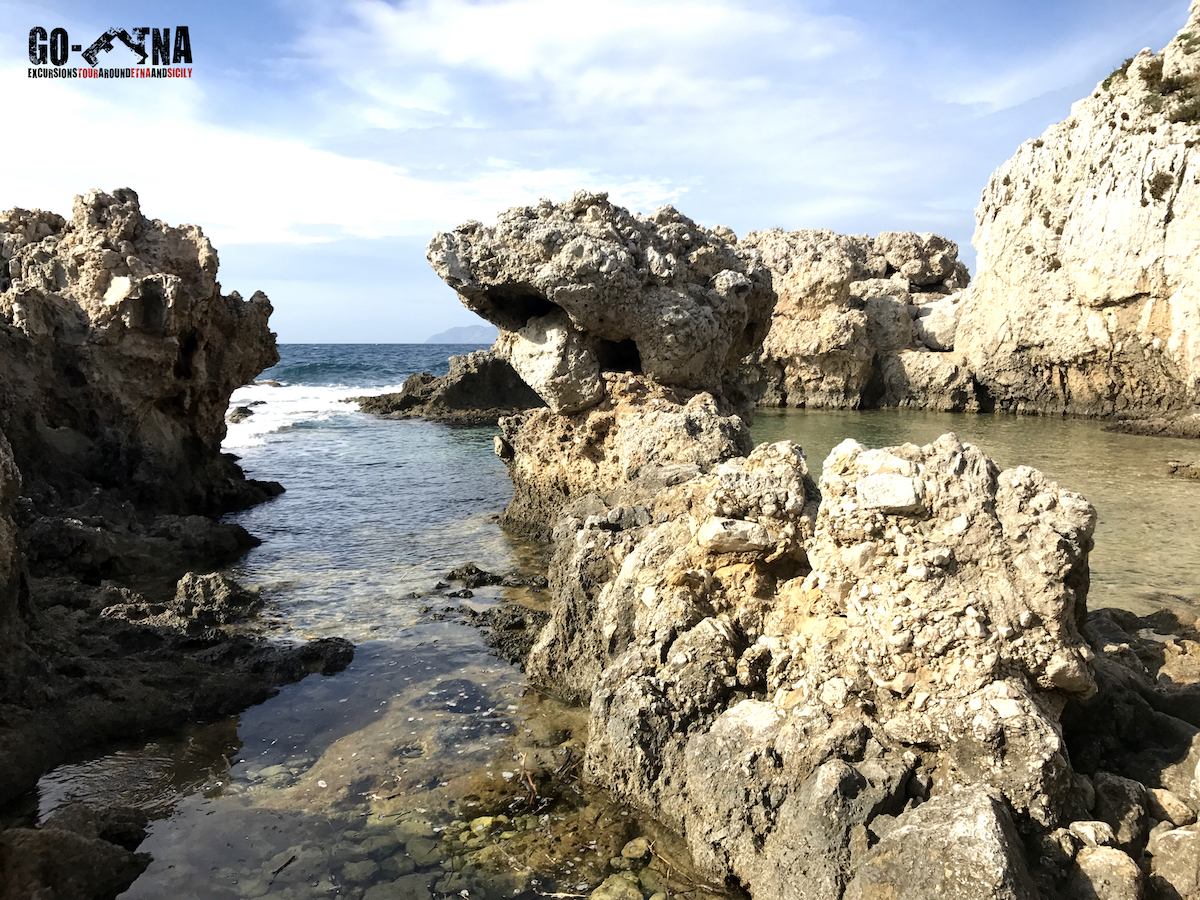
957 846
1087 297
584 287
118 353
777 680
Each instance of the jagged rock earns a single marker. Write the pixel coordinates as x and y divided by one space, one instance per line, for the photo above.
585 286
961 846
947 595
640 425
737 687
1087 298
845 309
924 260
479 388
118 354
200 603
121 353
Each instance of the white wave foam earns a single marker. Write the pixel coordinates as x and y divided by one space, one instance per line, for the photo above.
276 409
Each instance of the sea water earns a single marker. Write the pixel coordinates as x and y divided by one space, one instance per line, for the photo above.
365 784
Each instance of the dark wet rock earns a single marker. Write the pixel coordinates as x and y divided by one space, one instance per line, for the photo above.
200 603
1185 424
472 576
512 630
1121 803
479 389
103 671
124 826
56 864
239 414
96 546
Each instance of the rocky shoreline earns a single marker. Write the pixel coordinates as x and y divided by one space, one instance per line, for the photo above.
882 681
118 354
882 684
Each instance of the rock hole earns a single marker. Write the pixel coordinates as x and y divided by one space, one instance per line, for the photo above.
619 356
187 349
511 306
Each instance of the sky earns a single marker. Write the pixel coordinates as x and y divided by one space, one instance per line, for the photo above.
320 144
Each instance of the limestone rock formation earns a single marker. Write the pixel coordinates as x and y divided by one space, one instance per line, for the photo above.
849 307
640 428
118 353
585 287
479 388
779 681
1087 298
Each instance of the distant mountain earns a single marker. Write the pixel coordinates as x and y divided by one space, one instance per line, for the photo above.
465 334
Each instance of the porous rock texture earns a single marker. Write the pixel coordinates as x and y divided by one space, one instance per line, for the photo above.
585 286
767 677
887 687
1087 295
118 354
860 321
639 428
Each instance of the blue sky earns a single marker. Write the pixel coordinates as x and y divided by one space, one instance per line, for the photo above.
320 144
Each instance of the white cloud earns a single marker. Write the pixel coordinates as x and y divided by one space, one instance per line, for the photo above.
239 186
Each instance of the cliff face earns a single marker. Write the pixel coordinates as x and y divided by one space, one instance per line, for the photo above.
1087 297
118 353
860 321
14 588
